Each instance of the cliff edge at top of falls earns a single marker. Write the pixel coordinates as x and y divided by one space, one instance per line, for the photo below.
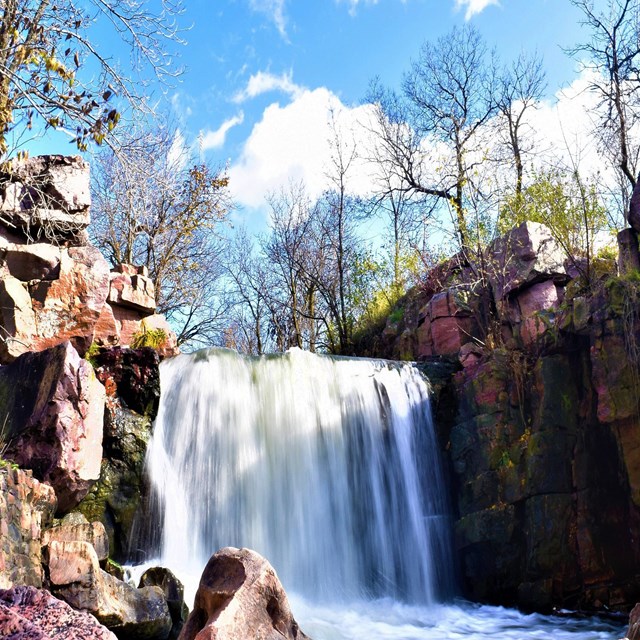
538 419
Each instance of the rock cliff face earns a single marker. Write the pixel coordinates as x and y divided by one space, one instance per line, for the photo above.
542 429
55 286
79 427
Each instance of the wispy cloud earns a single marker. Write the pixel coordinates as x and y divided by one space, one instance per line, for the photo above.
215 139
353 4
275 10
264 82
474 7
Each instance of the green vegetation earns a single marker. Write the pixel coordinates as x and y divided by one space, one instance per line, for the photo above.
154 338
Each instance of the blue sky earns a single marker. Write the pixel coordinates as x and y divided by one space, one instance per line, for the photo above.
258 69
260 75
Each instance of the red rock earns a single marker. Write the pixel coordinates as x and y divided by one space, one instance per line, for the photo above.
26 507
68 308
37 261
76 578
449 334
27 613
525 254
94 533
17 317
106 331
132 291
170 346
56 409
47 196
128 323
131 269
539 297
240 597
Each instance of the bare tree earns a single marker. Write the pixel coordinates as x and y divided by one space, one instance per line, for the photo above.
290 249
44 46
612 52
448 95
521 87
154 206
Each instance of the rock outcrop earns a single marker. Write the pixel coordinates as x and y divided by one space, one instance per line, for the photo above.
120 498
26 509
539 423
55 286
52 410
75 576
27 613
240 597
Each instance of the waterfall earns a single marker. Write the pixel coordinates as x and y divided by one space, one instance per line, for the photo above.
328 467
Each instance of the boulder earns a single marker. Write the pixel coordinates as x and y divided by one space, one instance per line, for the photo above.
173 592
27 613
628 251
240 597
53 406
26 508
92 532
133 375
170 346
17 319
68 308
47 197
38 261
75 577
132 291
540 297
526 254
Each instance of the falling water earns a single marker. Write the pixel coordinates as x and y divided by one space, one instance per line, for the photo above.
328 467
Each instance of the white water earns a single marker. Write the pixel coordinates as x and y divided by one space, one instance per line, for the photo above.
330 469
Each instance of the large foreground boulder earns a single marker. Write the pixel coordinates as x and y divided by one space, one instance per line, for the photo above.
240 597
52 408
27 613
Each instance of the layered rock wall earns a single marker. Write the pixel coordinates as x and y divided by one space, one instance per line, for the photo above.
541 426
55 286
26 508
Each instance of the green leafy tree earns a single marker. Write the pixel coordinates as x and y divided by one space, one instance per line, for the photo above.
44 47
568 205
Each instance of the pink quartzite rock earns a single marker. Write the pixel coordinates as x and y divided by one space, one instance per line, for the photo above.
132 291
38 261
92 532
539 297
76 577
26 507
69 307
526 254
17 319
633 633
240 597
55 408
27 613
47 197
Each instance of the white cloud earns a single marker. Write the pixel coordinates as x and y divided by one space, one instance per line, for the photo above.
264 82
275 10
474 6
353 4
292 143
215 139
